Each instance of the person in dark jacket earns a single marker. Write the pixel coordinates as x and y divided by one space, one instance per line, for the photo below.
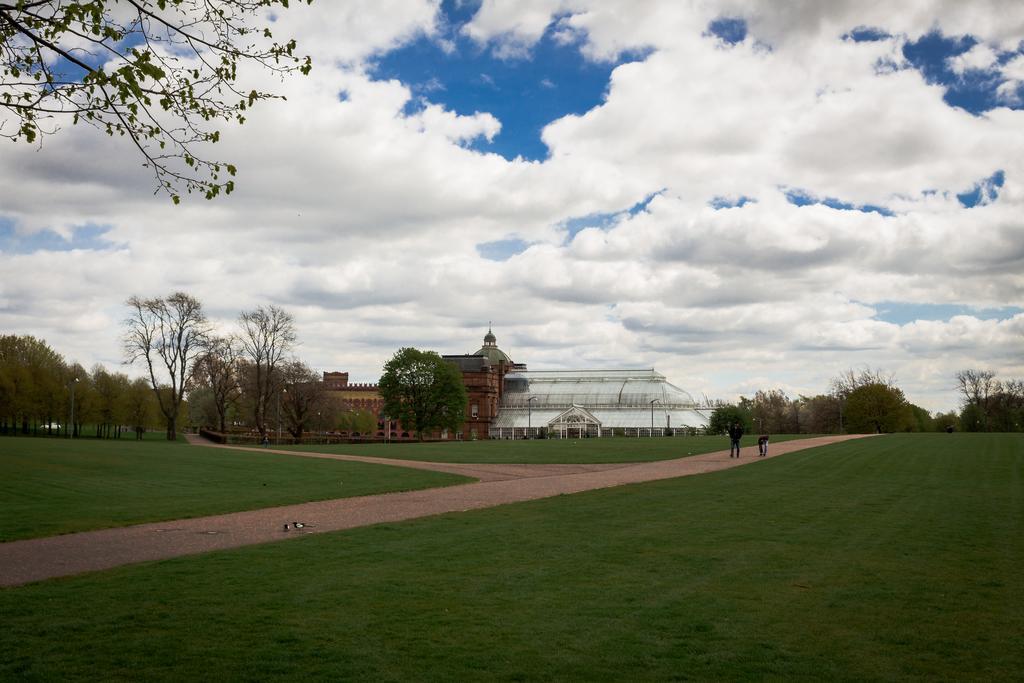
735 434
762 445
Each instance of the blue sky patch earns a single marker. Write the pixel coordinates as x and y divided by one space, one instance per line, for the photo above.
501 250
523 94
604 221
902 312
730 202
730 30
975 90
86 237
803 198
866 34
984 192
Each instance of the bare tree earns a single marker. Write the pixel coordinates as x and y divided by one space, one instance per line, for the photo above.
302 397
977 385
850 380
168 334
267 335
218 370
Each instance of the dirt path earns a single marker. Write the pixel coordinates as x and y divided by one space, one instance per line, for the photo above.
44 558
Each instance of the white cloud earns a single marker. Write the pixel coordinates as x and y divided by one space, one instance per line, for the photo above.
981 57
363 218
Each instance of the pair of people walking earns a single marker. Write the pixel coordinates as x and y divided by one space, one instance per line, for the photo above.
736 433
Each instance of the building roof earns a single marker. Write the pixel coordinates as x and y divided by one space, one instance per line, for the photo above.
469 362
491 351
615 398
613 418
593 388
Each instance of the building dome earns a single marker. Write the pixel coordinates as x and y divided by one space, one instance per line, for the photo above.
490 350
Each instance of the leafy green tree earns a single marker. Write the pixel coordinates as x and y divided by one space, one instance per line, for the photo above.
723 416
423 391
876 408
920 420
159 72
773 412
820 414
32 385
140 406
972 418
362 421
112 401
944 421
83 398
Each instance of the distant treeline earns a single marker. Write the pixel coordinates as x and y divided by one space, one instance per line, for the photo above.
39 392
870 402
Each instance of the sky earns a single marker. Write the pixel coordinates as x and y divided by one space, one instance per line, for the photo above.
742 195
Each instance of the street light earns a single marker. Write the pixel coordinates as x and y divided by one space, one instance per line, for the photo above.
529 415
73 383
319 428
653 401
283 391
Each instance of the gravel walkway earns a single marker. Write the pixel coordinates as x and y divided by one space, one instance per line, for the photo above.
44 558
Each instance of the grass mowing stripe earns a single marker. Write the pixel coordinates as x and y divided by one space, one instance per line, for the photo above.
895 557
545 451
53 486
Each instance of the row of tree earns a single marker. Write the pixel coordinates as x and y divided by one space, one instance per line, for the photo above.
990 404
245 380
869 401
246 375
41 392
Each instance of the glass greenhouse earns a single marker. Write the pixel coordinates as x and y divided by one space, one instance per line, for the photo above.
576 403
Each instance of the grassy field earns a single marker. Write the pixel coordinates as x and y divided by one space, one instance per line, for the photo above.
894 558
88 433
537 451
56 486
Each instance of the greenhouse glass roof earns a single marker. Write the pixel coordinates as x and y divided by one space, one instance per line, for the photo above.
617 398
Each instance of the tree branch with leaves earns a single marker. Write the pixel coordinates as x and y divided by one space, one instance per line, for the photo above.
158 72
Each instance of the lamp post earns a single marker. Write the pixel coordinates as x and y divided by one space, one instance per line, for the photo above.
653 401
73 383
529 415
319 428
283 391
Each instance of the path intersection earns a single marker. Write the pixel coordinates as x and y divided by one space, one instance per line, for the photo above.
38 559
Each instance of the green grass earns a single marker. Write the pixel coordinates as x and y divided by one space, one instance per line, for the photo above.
88 433
892 558
54 486
542 451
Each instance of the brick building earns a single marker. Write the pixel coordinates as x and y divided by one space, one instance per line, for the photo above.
353 396
483 375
